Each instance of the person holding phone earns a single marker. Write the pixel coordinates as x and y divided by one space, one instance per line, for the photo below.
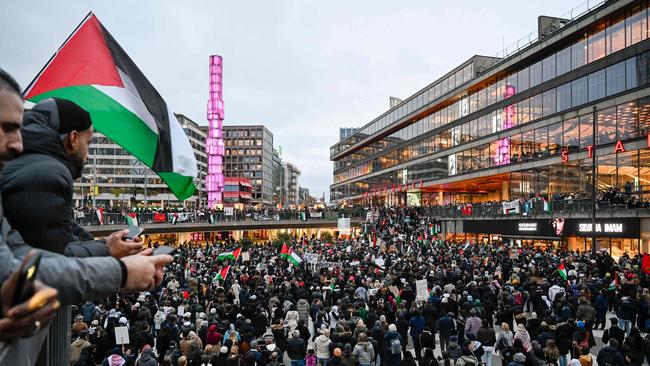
75 279
29 314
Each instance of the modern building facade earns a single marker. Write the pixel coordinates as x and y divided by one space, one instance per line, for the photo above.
113 177
249 154
497 129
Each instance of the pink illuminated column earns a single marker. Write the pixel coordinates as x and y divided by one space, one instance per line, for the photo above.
214 146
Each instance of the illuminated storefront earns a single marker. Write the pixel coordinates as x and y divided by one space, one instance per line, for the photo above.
615 235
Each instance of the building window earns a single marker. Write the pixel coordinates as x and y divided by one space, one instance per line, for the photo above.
579 54
596 46
615 78
596 82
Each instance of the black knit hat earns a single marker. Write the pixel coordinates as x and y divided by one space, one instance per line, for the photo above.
65 116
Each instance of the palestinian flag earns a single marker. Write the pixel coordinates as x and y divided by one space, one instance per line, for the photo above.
562 271
131 220
100 215
234 255
284 251
92 70
288 254
223 273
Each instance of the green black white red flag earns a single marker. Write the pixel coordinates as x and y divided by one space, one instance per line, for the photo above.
92 70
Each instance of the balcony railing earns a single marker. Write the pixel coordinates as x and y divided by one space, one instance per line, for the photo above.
113 218
537 208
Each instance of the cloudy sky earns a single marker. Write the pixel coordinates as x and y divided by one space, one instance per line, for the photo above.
302 68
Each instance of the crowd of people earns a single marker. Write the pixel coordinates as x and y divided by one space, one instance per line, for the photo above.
361 306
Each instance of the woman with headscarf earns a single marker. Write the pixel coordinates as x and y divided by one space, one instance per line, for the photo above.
522 335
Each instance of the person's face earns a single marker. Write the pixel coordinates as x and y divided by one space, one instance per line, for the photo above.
11 120
78 146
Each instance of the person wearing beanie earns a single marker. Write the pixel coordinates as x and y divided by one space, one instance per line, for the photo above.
336 359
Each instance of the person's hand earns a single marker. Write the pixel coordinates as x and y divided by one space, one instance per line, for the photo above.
119 248
27 318
144 272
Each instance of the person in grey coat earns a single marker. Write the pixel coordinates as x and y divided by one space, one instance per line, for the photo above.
75 279
303 308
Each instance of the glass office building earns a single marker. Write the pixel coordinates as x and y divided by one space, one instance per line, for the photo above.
498 129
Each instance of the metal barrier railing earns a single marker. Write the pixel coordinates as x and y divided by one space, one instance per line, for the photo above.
87 218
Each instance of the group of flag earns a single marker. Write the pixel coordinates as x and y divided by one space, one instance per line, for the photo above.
286 252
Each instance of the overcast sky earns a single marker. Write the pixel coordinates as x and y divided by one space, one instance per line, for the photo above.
302 68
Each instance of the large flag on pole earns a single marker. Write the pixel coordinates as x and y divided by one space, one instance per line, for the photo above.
92 70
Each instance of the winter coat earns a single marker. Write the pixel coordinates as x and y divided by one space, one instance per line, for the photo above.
303 310
364 352
76 347
37 192
322 346
147 359
296 348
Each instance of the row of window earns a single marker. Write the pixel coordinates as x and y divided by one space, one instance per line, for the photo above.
244 142
621 33
614 79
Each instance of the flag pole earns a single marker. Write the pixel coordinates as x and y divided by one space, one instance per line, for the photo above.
25 92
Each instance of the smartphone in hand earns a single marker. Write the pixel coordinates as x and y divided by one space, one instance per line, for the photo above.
164 249
134 231
25 284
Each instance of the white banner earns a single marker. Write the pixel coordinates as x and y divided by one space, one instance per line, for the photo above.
245 256
311 258
228 211
422 290
344 226
511 207
315 214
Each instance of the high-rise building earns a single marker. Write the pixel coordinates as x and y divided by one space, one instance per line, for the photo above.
249 154
291 184
278 177
344 132
114 177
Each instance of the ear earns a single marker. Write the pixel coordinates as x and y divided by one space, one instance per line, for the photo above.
73 140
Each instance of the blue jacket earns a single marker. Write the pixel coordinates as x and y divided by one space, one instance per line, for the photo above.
417 325
446 326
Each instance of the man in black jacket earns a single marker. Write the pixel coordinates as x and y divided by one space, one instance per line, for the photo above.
296 349
37 185
614 332
609 355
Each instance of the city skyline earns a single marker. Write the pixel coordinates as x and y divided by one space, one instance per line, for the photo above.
306 71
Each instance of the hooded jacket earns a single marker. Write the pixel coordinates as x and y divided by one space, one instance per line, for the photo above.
147 359
37 192
321 346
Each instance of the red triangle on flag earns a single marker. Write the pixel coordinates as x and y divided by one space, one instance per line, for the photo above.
70 66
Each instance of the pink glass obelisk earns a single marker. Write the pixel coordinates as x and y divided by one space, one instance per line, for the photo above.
214 182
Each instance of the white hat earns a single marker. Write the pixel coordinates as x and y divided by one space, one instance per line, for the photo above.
213 311
123 320
187 315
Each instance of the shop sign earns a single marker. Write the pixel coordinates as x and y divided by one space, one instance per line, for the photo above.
601 228
527 226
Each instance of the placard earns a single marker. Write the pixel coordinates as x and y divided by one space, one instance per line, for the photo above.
311 258
245 256
344 226
422 290
228 211
122 335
